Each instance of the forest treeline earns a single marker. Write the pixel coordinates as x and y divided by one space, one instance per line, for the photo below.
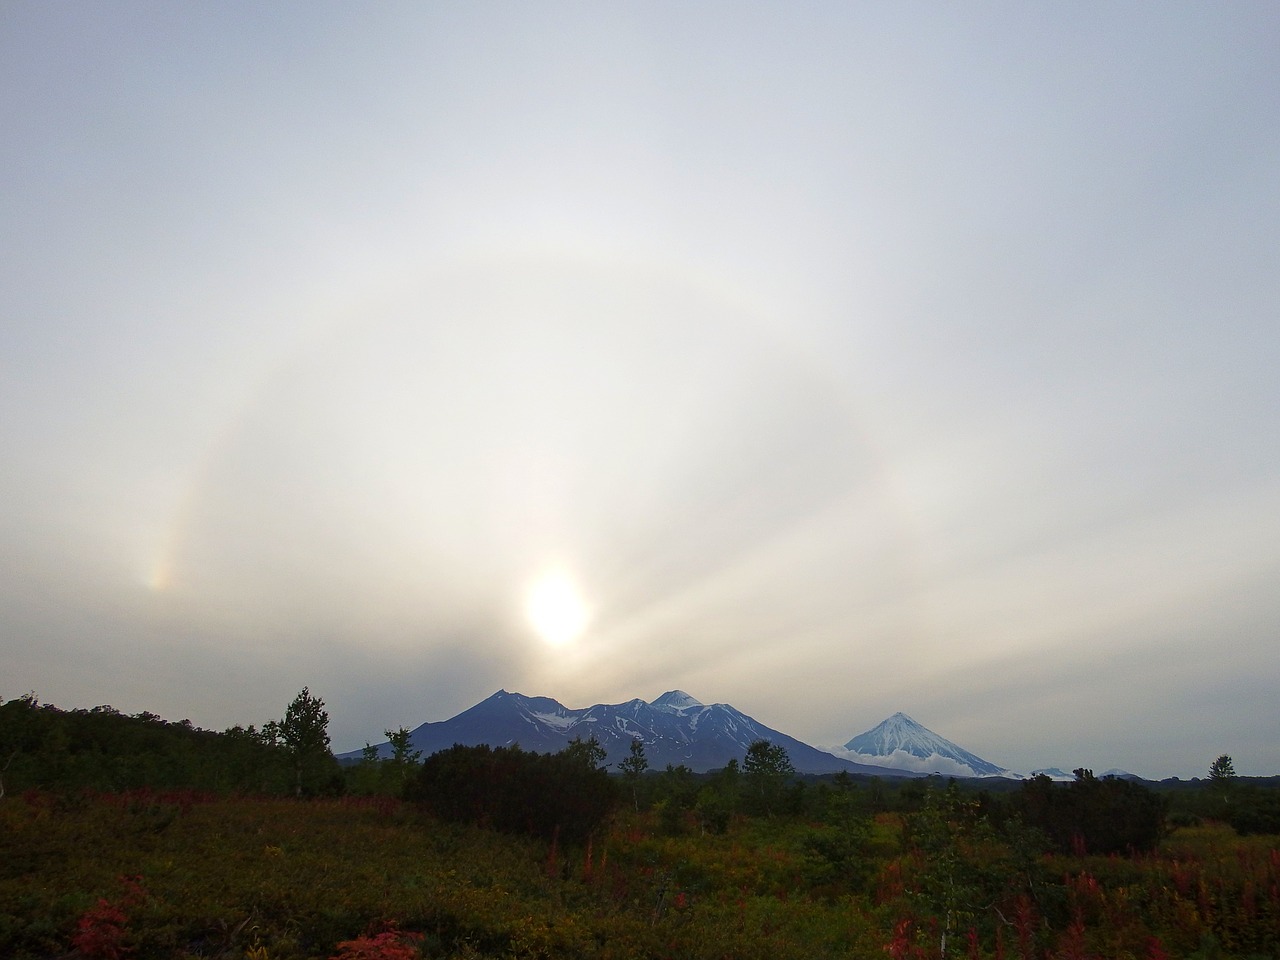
103 750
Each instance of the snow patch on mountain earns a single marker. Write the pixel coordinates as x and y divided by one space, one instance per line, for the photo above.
677 701
902 760
904 744
557 720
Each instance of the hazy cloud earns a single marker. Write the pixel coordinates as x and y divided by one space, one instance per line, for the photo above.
849 360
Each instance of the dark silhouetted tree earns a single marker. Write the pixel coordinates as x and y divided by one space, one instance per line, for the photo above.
1222 769
767 768
304 731
633 768
587 752
404 758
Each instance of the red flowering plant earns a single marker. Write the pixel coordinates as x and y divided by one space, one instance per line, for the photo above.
391 944
100 931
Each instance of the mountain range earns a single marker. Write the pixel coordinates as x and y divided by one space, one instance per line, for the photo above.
678 729
675 729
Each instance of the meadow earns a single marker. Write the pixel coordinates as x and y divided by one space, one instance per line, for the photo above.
182 874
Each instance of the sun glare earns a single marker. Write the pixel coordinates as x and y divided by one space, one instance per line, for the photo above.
555 609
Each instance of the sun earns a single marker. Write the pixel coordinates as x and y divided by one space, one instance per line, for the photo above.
555 609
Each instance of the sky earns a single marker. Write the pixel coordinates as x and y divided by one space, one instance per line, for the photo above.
823 359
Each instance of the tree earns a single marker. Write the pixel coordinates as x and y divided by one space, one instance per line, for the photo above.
633 767
1222 773
768 768
305 733
945 880
404 758
365 778
252 758
587 752
269 735
676 792
718 800
18 728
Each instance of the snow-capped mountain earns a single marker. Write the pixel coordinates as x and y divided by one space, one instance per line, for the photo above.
675 728
1053 773
904 744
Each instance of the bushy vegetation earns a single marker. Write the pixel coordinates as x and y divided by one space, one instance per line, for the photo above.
563 795
1101 816
505 853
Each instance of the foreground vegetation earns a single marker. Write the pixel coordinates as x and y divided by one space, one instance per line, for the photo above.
748 862
180 875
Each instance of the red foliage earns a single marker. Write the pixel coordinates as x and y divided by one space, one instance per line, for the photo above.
100 931
903 945
900 945
553 855
1071 946
1024 920
142 797
1184 876
37 799
378 803
890 884
390 945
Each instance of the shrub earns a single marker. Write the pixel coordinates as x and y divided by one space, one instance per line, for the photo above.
388 945
1110 815
544 795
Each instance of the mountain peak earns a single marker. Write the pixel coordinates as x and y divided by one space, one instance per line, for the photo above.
905 742
677 700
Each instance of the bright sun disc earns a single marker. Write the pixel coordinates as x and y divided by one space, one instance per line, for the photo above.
556 610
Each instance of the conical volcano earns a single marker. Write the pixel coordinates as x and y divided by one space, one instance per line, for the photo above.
900 741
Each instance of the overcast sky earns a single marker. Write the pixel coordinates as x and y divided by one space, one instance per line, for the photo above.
842 358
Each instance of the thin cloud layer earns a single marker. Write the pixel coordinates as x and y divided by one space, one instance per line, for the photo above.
846 361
